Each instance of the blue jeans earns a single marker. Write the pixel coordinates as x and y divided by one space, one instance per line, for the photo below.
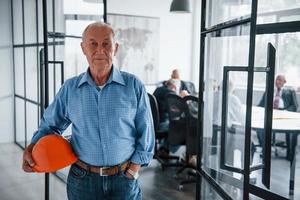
84 185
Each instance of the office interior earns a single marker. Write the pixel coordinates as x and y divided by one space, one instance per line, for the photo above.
231 50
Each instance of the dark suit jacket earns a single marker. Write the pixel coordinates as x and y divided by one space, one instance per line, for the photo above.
289 100
160 94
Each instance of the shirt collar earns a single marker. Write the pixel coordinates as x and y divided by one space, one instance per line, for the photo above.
115 76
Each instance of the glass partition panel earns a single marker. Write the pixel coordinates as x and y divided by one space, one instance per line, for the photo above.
285 122
228 48
51 83
50 15
32 120
31 73
219 11
20 121
17 22
40 21
287 58
74 58
19 71
30 21
272 11
59 16
81 7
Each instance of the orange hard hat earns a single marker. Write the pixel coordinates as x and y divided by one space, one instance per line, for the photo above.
51 153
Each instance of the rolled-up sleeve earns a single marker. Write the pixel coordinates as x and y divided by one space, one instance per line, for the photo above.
145 140
55 118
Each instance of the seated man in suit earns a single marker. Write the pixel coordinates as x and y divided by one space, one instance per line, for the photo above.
182 86
284 99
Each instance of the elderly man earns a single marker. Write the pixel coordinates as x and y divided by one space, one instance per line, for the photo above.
284 99
111 123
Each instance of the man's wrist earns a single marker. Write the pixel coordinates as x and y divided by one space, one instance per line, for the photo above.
134 167
133 174
30 147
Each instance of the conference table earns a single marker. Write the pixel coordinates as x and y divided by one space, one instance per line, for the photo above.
283 122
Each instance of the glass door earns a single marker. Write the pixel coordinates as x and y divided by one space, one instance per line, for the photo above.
229 117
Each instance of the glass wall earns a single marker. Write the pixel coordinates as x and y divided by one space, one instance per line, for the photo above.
26 72
226 72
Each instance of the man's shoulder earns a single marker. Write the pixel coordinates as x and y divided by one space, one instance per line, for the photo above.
130 78
288 90
73 81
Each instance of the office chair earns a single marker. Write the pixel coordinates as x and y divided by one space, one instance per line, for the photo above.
177 109
191 138
160 135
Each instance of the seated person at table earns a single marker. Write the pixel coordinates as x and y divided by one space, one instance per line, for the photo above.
182 86
284 99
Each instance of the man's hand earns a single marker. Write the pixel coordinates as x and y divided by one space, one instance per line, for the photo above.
27 159
134 167
184 93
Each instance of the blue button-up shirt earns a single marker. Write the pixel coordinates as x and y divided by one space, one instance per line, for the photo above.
109 125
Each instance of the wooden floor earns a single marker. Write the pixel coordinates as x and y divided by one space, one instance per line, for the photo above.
155 183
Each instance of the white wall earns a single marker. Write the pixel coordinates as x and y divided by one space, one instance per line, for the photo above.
175 49
6 74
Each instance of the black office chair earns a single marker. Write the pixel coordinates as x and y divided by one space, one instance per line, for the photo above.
191 139
159 135
177 109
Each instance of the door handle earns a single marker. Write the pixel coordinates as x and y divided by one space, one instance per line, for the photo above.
271 54
270 71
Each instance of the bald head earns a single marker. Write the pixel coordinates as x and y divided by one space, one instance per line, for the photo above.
175 74
99 25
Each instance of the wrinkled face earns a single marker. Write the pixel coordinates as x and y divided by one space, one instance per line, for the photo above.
99 47
280 81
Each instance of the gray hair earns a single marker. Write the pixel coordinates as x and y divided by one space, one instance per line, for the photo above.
98 24
281 76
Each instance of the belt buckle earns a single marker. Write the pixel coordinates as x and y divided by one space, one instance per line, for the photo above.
101 171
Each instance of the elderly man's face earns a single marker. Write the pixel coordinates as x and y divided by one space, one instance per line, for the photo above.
280 81
99 48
